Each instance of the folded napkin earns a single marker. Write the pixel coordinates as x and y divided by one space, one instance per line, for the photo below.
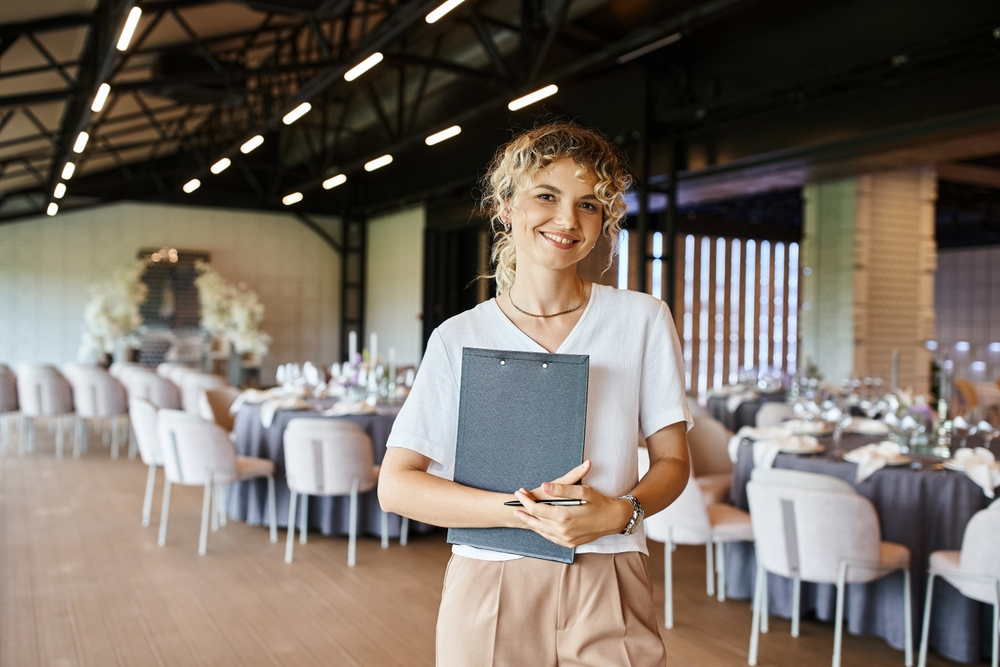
341 408
734 401
754 433
873 457
807 427
252 397
867 426
980 466
767 449
270 407
729 390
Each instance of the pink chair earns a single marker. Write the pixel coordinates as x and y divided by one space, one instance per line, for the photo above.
817 528
99 397
42 393
974 571
192 383
143 416
689 521
159 391
330 457
198 453
9 413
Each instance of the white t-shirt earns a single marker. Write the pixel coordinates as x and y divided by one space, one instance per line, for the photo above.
635 386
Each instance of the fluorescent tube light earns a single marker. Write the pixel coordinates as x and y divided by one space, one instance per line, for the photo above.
192 185
442 10
296 113
52 209
67 172
221 165
130 23
101 97
293 198
649 48
251 144
438 137
60 191
334 181
378 162
363 66
531 98
81 142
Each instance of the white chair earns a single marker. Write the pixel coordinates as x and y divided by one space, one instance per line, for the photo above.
99 397
176 374
164 369
708 441
816 528
143 416
121 368
192 384
330 457
689 521
9 413
974 571
158 390
198 453
42 393
773 413
214 404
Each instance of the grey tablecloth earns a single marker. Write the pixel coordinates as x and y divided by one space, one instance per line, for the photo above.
330 515
926 510
745 414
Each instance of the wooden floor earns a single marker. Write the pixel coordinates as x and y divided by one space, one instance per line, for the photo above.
84 584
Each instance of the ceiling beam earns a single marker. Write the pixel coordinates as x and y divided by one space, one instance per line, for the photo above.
972 174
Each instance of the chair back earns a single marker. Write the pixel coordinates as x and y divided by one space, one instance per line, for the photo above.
708 441
164 369
805 525
43 391
191 447
323 456
8 389
74 369
97 394
685 521
143 416
120 368
159 391
965 398
214 404
192 383
981 554
773 413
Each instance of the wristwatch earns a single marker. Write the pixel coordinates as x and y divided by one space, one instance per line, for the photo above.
637 514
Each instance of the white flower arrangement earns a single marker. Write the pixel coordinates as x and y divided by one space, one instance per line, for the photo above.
231 312
113 310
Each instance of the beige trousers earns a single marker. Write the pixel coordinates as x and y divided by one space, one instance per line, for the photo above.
597 612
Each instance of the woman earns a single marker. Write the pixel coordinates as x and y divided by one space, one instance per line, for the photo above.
552 191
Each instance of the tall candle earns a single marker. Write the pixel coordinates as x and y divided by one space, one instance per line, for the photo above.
392 365
894 384
373 347
352 346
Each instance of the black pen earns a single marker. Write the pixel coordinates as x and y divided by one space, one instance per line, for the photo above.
561 502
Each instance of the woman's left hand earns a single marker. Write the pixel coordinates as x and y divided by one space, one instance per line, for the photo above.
574 525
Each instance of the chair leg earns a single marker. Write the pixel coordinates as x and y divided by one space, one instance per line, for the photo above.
908 618
215 508
78 431
147 501
796 604
272 510
758 594
720 569
838 627
220 502
353 525
668 583
290 542
404 531
928 598
164 511
709 568
384 527
59 437
113 427
206 509
304 520
996 630
132 446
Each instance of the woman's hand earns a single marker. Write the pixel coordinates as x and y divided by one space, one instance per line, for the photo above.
574 525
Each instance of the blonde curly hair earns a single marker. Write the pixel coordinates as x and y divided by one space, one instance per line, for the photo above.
517 162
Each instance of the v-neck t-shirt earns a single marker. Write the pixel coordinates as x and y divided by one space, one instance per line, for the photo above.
635 387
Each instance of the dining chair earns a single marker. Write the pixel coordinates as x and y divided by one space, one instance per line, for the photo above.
214 404
156 389
120 368
164 369
773 413
198 453
330 457
974 571
42 393
965 398
192 383
143 416
708 441
9 412
817 528
689 521
101 398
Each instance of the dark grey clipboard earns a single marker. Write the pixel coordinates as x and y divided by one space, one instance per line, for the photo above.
521 421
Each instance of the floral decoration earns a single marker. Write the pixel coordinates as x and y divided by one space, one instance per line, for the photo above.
113 310
232 312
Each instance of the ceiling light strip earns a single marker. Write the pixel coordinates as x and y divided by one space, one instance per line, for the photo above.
378 163
101 97
363 66
130 24
296 113
447 133
441 10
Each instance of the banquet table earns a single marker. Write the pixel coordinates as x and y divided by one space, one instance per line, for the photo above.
247 501
745 414
924 509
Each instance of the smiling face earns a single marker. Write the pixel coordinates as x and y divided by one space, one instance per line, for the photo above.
557 219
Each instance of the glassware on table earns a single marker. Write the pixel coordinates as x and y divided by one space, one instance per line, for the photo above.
988 432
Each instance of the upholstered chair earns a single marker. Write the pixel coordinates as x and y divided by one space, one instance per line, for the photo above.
158 390
773 413
101 398
9 413
192 384
42 393
708 441
214 404
143 415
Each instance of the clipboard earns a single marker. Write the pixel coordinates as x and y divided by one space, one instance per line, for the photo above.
522 421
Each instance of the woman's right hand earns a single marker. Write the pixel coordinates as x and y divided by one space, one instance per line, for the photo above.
572 477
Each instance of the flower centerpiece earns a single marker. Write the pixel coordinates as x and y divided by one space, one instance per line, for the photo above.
231 312
113 311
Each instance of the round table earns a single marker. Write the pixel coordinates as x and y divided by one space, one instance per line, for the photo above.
745 414
247 501
924 509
